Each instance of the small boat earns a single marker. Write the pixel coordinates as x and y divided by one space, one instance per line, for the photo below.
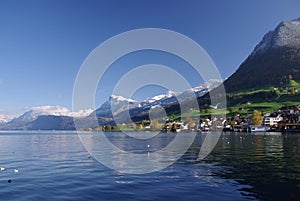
259 128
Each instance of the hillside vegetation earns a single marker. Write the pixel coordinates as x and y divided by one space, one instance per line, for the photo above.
264 99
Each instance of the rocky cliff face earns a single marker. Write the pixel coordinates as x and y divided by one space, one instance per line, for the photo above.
274 59
286 34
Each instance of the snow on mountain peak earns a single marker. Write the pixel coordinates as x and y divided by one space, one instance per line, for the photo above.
81 113
287 33
58 111
50 110
169 94
121 98
5 117
34 112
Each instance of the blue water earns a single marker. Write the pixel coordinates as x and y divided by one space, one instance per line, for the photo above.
56 166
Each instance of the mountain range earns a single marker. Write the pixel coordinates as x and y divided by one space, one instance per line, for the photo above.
273 61
44 118
60 118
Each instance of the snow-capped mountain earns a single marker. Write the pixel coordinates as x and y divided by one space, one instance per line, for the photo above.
173 97
35 112
81 113
275 58
169 94
3 121
287 33
5 117
121 99
117 107
40 114
49 110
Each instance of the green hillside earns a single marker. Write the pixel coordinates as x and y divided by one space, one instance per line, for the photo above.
265 99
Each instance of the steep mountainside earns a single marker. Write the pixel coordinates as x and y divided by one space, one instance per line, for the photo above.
274 61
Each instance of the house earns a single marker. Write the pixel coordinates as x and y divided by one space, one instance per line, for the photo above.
272 121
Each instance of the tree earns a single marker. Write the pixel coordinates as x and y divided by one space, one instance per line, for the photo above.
293 91
155 126
256 118
174 127
108 128
192 125
188 120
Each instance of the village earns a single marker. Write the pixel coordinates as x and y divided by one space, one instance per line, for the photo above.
285 119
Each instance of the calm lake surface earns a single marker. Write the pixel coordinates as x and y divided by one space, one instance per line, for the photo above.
56 166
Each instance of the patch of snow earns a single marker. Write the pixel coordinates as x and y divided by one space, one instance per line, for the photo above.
287 33
121 98
6 117
50 110
81 113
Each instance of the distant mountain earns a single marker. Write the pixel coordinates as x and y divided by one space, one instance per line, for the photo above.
273 61
118 107
51 122
115 108
3 121
118 103
22 121
44 118
5 117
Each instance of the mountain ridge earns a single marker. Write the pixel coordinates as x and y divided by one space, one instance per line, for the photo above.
276 57
287 33
60 117
117 107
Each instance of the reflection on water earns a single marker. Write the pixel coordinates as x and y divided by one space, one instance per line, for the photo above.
55 166
268 163
127 154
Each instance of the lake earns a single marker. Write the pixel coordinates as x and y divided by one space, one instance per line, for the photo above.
242 166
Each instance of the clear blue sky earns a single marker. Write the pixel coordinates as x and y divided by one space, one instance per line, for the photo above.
43 43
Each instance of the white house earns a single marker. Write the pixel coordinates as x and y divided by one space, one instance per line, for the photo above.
272 120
